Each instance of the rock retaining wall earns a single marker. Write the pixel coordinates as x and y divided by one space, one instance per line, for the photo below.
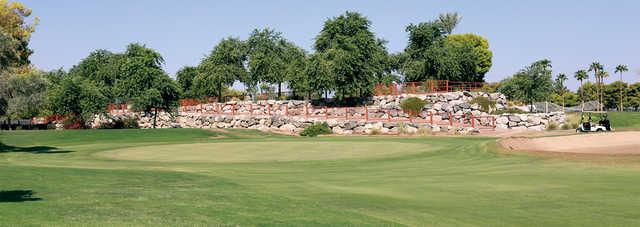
537 121
450 112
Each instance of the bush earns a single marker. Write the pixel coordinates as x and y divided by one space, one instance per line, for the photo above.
574 125
413 106
402 129
486 104
425 131
375 131
552 126
566 126
121 123
316 129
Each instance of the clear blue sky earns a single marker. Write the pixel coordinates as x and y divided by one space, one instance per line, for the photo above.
571 33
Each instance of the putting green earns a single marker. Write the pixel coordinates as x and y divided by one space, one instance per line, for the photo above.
263 151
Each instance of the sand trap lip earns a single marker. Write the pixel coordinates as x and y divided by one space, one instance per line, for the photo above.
596 143
238 152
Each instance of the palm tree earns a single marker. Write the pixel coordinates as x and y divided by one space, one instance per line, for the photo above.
560 83
602 74
620 69
449 21
581 75
596 67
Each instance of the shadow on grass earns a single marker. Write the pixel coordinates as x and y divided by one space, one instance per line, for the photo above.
34 149
17 196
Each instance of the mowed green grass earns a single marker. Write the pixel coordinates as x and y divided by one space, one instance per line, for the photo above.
432 181
619 120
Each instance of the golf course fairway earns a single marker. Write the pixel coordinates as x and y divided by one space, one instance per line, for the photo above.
242 177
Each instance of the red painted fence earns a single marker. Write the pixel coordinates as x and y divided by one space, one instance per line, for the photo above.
426 87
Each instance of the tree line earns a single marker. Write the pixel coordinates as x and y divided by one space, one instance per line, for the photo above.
347 60
536 83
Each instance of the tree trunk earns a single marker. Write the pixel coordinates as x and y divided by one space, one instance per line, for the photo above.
279 90
220 99
155 116
9 119
563 102
582 95
621 94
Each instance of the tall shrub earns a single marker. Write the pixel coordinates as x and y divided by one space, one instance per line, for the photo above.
412 106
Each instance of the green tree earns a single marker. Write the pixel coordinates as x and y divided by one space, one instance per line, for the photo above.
449 21
350 48
13 23
9 51
76 98
432 53
633 97
611 94
223 66
589 91
23 96
319 73
297 80
143 82
601 88
531 84
101 67
560 88
163 95
596 68
267 51
186 76
621 69
421 55
581 75
473 55
569 99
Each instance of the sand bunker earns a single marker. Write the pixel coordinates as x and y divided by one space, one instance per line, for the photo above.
596 143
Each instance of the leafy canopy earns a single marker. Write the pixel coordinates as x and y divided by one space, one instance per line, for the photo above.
186 76
352 51
143 81
531 84
223 66
76 98
14 24
434 53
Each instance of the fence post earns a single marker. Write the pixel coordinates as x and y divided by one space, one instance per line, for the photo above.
286 110
450 119
306 110
346 113
431 84
250 109
233 109
388 116
326 113
473 121
366 113
447 85
269 109
431 117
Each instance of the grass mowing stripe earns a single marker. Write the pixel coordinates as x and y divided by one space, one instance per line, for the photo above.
457 181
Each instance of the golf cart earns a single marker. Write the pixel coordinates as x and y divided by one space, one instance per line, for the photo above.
587 125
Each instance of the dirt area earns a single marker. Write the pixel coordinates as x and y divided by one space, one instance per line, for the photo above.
614 143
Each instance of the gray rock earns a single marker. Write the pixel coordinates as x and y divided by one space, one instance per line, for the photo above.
514 118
